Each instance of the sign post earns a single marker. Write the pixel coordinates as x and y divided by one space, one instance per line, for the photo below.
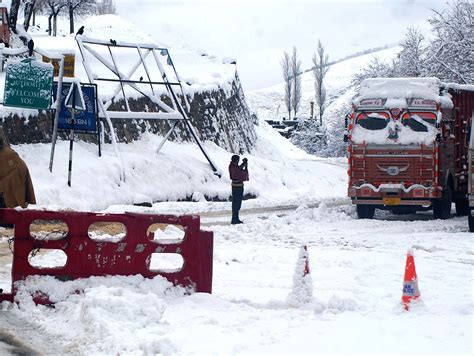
56 113
74 101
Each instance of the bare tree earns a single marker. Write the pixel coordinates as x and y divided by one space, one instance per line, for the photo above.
12 19
28 8
79 7
286 71
53 8
320 69
296 78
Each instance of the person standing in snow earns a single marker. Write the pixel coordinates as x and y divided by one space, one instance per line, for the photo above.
238 175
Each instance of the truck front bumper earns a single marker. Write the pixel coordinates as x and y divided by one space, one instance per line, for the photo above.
394 195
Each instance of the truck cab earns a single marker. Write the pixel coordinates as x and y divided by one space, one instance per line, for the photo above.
407 148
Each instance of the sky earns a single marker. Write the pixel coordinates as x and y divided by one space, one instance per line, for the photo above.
257 32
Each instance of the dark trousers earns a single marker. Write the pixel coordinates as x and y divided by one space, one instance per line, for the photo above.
237 195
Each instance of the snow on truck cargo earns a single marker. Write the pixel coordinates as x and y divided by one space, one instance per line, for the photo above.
408 146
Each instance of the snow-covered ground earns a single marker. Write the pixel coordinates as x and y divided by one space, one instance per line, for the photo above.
357 270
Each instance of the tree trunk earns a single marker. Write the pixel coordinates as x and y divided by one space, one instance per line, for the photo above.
71 18
14 7
49 23
34 17
28 12
55 25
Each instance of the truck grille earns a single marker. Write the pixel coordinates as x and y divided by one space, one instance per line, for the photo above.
380 165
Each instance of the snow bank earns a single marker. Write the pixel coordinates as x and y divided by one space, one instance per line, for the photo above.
279 172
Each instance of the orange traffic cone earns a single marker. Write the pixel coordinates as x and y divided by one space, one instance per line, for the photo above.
410 281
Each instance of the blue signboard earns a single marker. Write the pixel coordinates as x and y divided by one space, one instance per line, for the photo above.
84 121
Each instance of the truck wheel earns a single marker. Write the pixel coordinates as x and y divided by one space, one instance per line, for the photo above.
365 211
462 207
470 220
442 207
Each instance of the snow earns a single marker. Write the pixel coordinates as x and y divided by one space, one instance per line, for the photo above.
177 172
201 73
405 134
351 298
396 90
357 270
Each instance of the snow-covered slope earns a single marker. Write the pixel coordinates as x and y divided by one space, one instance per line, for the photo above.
269 105
279 173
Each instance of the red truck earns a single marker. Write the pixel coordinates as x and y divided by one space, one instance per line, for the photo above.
408 147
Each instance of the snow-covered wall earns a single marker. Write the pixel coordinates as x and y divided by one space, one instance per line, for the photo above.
219 112
221 116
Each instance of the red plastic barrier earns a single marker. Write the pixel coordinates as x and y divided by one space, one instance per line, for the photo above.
131 255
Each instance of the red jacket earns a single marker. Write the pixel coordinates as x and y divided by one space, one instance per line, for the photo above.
237 174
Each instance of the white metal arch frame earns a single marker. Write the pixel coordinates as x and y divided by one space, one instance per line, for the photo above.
176 112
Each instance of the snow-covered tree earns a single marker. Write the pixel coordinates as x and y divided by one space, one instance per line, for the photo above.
410 61
286 71
105 7
376 68
308 136
451 53
296 81
320 69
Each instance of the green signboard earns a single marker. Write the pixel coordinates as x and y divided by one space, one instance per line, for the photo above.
28 84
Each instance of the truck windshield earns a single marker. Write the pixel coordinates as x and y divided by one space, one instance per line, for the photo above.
419 121
373 120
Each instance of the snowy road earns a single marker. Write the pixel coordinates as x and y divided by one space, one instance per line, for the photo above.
357 269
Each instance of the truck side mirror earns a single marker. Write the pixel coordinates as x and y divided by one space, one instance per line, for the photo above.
346 121
346 137
439 138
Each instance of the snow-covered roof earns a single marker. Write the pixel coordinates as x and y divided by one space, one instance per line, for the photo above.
397 90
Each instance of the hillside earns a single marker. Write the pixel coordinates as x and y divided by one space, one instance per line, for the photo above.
268 103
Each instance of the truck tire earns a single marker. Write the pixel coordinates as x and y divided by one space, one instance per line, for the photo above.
365 211
462 207
470 220
442 207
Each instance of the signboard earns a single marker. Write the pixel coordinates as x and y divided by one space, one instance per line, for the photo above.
28 84
69 65
84 121
371 102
